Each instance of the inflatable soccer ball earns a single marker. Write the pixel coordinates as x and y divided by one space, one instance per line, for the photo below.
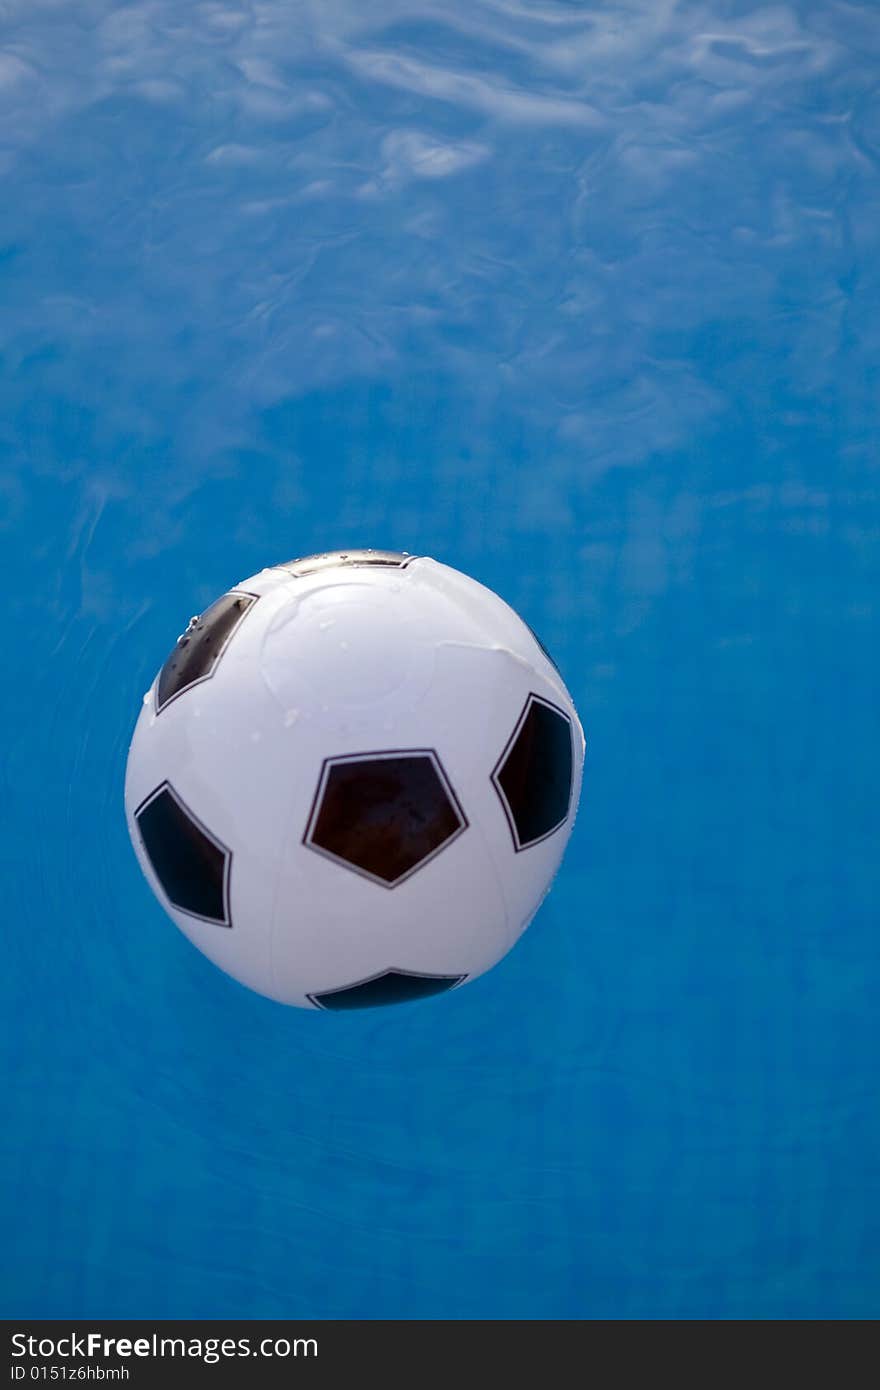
353 780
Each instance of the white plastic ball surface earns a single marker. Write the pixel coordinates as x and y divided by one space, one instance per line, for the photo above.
327 673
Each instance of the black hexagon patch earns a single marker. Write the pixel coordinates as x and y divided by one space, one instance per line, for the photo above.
390 987
190 863
199 648
385 815
533 776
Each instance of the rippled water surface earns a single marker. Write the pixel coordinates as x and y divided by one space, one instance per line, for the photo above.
584 300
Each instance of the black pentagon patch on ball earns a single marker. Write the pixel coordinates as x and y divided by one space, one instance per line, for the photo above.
199 648
332 559
190 863
534 773
391 987
384 814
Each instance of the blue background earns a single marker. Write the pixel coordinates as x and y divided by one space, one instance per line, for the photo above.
585 301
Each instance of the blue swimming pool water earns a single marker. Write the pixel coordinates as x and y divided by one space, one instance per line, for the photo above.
584 300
